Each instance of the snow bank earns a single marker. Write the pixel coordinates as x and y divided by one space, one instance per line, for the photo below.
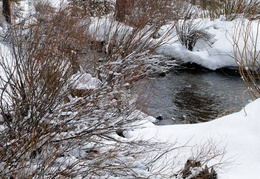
238 133
218 51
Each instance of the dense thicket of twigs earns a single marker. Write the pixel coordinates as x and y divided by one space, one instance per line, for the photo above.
247 55
52 128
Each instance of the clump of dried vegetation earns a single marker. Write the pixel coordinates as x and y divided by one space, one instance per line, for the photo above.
230 9
190 32
247 54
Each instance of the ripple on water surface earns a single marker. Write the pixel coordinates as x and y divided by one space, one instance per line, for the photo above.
190 96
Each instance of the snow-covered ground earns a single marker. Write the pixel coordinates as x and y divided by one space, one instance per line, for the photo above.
238 133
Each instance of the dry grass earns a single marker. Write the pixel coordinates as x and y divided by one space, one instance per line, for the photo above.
247 55
230 9
190 32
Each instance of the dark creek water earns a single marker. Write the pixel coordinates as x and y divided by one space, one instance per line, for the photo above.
191 96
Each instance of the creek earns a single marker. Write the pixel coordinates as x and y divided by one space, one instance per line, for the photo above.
191 95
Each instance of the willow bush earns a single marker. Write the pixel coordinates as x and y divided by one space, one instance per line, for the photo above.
229 9
247 55
52 128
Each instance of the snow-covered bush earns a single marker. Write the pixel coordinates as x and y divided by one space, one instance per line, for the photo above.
44 135
118 49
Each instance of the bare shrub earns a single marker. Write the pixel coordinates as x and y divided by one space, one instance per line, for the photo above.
39 128
92 8
46 136
36 73
247 54
158 12
119 51
230 9
123 9
248 9
141 13
43 8
114 48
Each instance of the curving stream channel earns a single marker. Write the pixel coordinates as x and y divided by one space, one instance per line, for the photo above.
191 96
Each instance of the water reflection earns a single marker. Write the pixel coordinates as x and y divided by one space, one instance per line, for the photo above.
194 107
190 96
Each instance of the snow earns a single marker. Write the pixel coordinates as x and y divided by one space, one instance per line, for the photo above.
84 81
26 8
56 3
238 133
106 29
218 52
